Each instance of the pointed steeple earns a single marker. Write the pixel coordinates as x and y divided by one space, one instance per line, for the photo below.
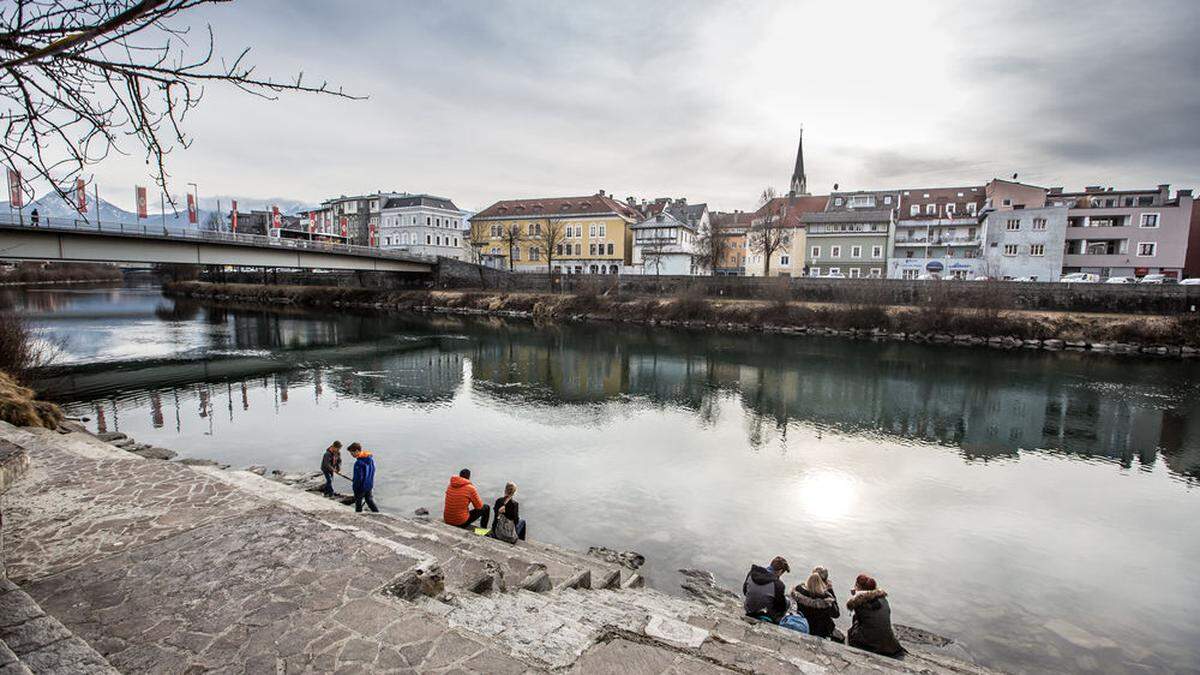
799 186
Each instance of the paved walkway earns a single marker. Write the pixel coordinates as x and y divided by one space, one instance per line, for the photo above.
165 567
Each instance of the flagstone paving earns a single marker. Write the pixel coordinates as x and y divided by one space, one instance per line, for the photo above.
156 566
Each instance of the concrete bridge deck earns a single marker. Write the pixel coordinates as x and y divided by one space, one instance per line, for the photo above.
58 239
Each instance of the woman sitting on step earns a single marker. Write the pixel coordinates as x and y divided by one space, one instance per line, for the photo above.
508 525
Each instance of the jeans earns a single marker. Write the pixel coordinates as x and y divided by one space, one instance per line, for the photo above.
360 497
483 514
328 489
521 529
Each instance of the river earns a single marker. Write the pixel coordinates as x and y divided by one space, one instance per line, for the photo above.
1042 508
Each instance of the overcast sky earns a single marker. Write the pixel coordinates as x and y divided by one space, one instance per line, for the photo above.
480 101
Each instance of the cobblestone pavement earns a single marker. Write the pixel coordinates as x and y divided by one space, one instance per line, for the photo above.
162 567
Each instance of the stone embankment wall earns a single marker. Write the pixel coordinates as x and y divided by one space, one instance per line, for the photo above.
935 322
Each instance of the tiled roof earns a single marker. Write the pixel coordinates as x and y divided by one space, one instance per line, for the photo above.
555 206
420 200
796 208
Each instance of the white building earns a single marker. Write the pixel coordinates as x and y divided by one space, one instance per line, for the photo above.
665 243
425 225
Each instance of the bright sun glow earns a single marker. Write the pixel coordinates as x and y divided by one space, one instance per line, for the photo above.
827 495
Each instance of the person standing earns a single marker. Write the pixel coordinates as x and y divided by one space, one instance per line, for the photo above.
34 217
872 627
331 463
461 496
364 478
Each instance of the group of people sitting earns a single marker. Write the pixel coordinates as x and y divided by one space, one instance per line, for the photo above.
816 606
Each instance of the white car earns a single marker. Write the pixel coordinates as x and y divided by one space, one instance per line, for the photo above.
1194 281
1120 280
928 277
1025 279
835 275
1080 278
1156 279
981 278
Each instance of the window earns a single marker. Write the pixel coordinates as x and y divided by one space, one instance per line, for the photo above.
931 209
855 273
535 229
914 210
578 249
1146 249
558 249
835 251
814 271
837 201
456 241
862 201
592 230
1039 223
495 229
909 274
971 208
439 240
1008 202
1010 249
428 220
876 252
602 228
816 252
591 249
428 239
610 249
534 253
1149 220
835 270
1012 225
1037 249
887 199
516 253
785 260
855 251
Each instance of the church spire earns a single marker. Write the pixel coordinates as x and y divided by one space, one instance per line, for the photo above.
799 186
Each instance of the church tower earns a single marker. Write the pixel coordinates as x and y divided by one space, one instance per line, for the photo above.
799 186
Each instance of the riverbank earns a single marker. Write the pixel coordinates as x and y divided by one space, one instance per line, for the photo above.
935 322
40 274
161 566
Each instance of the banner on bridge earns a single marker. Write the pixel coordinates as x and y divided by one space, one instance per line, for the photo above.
81 195
233 216
139 194
15 197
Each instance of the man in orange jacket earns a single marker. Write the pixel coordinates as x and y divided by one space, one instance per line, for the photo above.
461 495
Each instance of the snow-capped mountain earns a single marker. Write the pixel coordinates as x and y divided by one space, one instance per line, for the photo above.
54 207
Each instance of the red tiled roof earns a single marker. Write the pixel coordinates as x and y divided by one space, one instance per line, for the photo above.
796 207
543 207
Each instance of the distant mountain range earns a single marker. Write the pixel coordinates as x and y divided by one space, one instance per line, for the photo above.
53 206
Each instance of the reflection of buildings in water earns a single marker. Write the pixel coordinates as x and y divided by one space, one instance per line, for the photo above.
426 375
562 372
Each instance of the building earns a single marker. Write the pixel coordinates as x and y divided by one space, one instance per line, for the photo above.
732 228
1024 243
785 213
355 218
851 237
1126 233
423 224
666 241
938 233
588 235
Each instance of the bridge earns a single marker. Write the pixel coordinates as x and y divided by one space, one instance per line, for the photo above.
77 240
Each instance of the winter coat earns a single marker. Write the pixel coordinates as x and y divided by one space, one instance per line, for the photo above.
820 610
872 629
512 510
764 594
461 495
364 473
331 462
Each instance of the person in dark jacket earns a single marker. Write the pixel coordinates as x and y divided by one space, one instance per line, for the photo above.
507 507
331 463
364 477
816 601
872 627
34 218
764 591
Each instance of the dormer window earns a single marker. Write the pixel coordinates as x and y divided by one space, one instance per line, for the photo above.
914 210
862 201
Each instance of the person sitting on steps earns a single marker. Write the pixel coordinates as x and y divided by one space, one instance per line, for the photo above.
816 601
764 591
872 628
508 525
461 496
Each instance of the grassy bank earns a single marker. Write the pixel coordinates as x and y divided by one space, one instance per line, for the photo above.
48 273
936 320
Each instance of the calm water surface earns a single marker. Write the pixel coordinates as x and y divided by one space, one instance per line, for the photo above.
1042 508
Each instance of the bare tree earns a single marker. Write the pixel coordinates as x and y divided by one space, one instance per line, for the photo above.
653 252
214 222
478 237
77 75
768 232
712 243
553 234
512 237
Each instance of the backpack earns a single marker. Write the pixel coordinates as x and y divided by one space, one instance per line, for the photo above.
504 528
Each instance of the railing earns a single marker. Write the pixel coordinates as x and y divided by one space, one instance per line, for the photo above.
11 221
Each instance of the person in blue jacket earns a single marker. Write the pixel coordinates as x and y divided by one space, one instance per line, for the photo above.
364 477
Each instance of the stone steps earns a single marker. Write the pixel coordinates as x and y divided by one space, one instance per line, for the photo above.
33 642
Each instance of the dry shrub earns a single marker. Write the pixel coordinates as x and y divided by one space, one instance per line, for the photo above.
19 407
690 304
21 349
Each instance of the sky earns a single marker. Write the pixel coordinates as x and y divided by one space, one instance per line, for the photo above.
480 101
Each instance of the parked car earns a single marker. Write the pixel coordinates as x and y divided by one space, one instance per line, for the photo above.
1024 279
981 278
1157 279
1080 278
928 277
1194 281
1120 280
835 275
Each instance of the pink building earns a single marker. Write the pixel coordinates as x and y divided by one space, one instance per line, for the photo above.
1116 233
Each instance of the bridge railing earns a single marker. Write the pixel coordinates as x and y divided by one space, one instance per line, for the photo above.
9 220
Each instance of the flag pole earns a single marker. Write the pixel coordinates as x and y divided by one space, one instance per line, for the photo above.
96 187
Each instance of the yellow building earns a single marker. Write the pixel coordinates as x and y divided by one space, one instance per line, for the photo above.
572 235
789 258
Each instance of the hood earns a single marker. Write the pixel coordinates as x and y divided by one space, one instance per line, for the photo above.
805 599
364 455
459 481
761 575
862 598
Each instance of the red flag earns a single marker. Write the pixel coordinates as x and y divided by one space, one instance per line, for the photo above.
312 223
371 240
343 226
191 201
15 197
139 193
276 221
81 195
233 216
